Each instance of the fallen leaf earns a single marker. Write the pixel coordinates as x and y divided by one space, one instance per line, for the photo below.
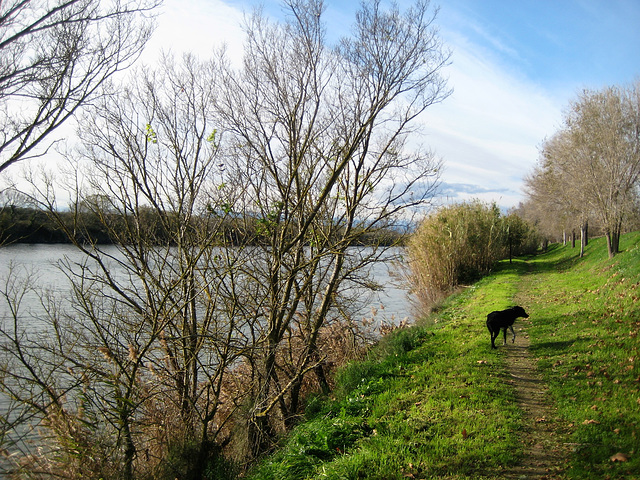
620 457
464 433
482 361
591 422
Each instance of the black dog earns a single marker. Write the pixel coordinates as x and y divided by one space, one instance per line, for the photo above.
503 319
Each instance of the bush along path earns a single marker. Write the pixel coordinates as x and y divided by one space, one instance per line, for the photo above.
434 401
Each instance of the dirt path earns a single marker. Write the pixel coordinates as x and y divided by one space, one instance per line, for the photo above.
544 449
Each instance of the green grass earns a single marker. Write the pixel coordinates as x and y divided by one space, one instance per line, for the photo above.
433 401
586 320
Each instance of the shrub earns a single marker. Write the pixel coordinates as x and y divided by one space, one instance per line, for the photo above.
459 244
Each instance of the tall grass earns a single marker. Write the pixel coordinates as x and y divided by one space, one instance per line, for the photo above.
459 244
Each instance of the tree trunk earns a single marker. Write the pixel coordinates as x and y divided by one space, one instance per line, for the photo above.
259 430
510 250
258 434
609 235
129 447
586 233
294 404
613 233
318 369
322 379
613 243
197 469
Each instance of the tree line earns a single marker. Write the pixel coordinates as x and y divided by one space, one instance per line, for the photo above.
184 352
34 225
588 172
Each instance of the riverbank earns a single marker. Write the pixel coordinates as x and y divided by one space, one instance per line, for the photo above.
24 225
434 401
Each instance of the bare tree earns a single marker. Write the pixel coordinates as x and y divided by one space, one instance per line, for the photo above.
320 137
592 165
54 56
135 374
556 186
234 199
605 138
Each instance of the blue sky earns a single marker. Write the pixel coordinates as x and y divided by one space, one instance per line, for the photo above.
516 64
556 43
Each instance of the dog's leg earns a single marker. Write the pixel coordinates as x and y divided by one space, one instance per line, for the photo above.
513 340
494 335
504 331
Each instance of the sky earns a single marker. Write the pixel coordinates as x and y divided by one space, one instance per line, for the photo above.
515 66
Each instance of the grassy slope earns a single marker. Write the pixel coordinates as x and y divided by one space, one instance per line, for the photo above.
586 340
433 401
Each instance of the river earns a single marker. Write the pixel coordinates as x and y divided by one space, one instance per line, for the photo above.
391 304
40 262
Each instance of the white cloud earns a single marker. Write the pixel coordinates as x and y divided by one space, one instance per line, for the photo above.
488 131
198 27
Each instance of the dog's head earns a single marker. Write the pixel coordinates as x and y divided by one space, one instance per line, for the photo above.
520 311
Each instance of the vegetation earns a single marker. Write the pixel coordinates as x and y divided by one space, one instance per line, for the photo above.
433 401
28 225
459 244
230 198
33 225
590 169
183 341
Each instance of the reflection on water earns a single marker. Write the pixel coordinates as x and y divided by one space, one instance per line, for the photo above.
389 305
